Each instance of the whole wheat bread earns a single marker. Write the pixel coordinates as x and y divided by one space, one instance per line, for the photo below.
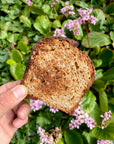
58 73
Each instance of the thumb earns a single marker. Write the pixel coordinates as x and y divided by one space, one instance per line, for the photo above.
11 98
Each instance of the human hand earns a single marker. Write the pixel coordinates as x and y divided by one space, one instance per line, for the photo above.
13 110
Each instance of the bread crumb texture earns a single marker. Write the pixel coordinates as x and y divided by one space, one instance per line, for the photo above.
58 73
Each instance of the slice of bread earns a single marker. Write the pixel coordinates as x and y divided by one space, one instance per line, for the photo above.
58 73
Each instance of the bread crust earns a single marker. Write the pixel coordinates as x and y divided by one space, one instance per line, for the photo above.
50 79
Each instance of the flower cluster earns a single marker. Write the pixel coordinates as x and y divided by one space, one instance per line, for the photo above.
81 117
54 3
51 138
53 109
105 117
104 142
59 32
35 105
73 25
29 2
85 16
67 10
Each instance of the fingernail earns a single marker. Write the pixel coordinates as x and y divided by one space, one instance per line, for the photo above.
20 91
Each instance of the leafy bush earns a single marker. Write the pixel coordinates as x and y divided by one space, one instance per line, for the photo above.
23 23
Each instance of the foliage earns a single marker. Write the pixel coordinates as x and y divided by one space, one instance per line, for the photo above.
22 25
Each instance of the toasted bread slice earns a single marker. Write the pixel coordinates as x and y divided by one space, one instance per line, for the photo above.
58 73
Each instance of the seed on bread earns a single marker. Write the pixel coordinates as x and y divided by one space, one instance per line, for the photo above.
58 73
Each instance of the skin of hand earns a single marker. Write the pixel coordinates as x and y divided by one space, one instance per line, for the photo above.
13 109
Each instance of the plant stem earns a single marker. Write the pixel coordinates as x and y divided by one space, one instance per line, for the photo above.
86 27
73 35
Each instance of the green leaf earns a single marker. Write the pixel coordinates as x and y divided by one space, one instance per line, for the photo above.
112 118
3 34
89 137
26 11
103 100
60 141
38 37
110 9
14 11
88 101
111 101
5 26
82 4
105 134
49 120
106 56
110 82
97 62
72 137
10 62
68 33
25 21
98 74
112 37
96 39
46 8
12 37
98 84
16 26
42 24
37 10
95 114
42 121
99 14
24 39
3 55
56 24
59 17
16 56
108 75
17 70
23 47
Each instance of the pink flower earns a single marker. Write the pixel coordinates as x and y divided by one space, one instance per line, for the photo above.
89 10
104 142
84 16
81 12
105 117
80 20
44 137
36 104
68 9
59 32
53 4
49 138
81 117
73 25
71 13
67 3
93 20
90 122
29 2
54 110
77 33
